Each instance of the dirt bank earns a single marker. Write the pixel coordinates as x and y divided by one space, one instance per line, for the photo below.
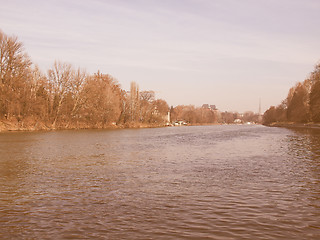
294 125
13 126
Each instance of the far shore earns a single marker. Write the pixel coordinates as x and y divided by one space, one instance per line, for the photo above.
294 125
8 126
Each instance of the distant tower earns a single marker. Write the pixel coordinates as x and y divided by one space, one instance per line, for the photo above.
259 106
260 116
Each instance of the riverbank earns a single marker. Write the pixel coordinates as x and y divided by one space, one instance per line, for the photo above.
30 126
25 126
294 125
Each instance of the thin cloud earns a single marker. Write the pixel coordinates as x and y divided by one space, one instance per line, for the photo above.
183 44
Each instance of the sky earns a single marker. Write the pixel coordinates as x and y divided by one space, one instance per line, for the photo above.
229 53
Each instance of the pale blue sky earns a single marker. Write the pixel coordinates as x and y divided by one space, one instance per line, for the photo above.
224 52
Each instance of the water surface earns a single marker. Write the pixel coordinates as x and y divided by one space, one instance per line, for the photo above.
208 182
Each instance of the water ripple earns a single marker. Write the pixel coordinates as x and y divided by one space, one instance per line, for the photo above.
214 182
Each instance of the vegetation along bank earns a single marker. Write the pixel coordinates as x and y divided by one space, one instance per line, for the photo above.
66 97
301 108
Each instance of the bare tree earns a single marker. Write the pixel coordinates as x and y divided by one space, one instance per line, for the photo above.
77 86
14 74
39 100
60 78
298 106
101 100
146 105
315 94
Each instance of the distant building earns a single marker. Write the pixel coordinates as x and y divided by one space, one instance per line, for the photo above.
180 123
238 121
211 107
206 106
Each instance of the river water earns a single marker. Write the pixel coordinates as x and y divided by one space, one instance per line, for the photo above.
206 182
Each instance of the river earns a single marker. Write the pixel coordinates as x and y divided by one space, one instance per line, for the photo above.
203 182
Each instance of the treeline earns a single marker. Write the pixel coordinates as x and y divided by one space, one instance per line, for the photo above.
194 115
68 97
302 104
207 115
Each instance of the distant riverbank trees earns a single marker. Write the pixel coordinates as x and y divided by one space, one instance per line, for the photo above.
208 115
67 97
302 104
